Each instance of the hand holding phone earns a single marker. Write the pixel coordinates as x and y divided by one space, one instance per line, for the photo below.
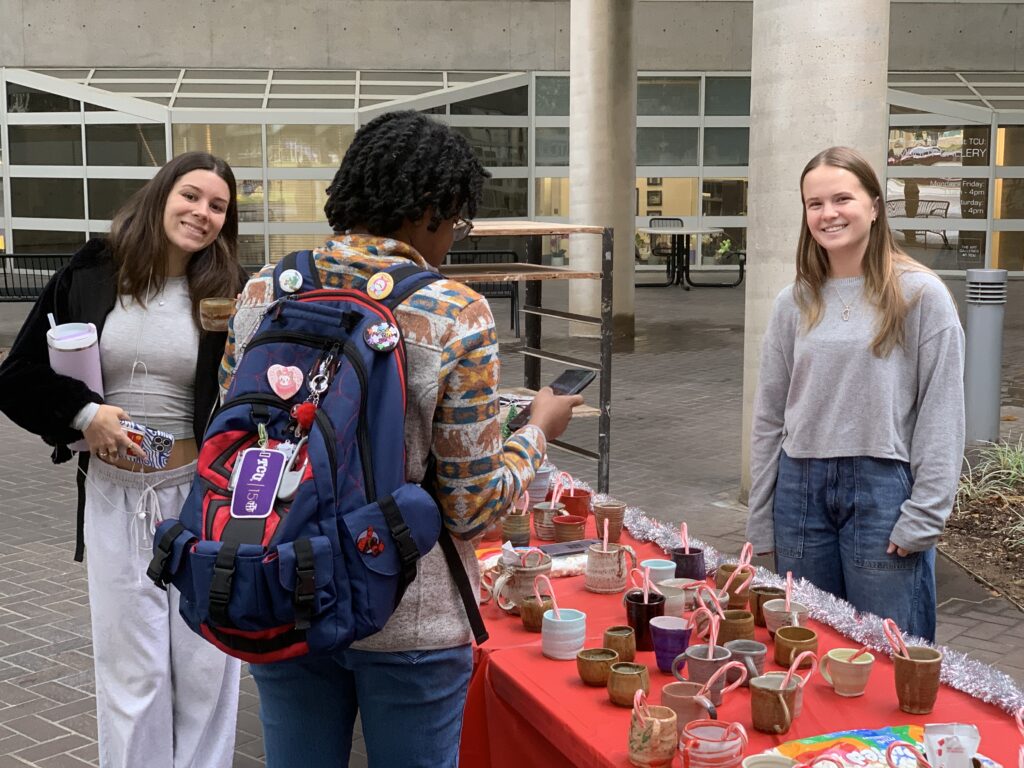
554 410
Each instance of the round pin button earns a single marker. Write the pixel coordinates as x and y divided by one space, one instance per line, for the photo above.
380 285
290 280
382 337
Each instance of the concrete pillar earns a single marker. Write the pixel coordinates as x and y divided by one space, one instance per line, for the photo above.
818 79
602 151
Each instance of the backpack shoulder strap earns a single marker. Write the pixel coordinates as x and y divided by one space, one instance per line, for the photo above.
304 263
408 278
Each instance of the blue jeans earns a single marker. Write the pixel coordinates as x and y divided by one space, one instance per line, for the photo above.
833 518
410 704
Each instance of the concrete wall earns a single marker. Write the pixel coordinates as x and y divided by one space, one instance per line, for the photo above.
454 34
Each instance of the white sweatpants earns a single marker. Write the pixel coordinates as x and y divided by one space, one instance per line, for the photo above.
165 698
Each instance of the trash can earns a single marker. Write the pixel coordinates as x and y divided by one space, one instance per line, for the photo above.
986 302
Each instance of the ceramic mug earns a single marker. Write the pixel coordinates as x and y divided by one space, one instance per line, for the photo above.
798 699
515 528
684 698
576 501
766 760
772 706
639 615
759 595
569 527
847 678
660 569
594 665
562 635
613 512
653 738
622 640
737 625
776 615
543 514
625 678
790 642
700 669
532 612
516 582
917 679
753 655
738 594
687 588
689 565
607 572
712 744
670 636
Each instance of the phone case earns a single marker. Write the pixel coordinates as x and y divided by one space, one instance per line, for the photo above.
156 444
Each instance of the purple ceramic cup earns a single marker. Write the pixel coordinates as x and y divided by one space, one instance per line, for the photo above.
670 636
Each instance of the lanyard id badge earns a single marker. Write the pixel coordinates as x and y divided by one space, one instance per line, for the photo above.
255 480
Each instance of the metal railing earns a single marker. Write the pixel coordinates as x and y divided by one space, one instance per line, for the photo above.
24 275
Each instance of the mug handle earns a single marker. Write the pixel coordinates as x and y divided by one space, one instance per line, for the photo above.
676 666
499 589
786 712
631 554
487 586
823 669
751 668
708 706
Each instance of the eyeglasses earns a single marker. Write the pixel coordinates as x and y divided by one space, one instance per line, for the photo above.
461 229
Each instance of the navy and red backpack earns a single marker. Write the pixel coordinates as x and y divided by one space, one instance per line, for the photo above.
323 557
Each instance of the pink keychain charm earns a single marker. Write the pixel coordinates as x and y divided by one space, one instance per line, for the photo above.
286 381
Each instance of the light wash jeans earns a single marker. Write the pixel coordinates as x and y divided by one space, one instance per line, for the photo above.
833 518
410 704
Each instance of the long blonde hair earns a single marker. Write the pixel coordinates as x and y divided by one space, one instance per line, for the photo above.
883 261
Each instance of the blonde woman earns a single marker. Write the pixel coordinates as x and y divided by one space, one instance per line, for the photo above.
858 432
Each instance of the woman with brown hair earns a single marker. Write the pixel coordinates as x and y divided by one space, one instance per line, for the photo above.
165 698
858 432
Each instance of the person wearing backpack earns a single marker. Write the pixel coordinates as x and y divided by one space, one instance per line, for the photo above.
407 189
164 698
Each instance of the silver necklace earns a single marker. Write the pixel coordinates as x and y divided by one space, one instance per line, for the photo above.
846 307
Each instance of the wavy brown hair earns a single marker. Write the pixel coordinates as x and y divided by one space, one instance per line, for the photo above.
138 241
883 261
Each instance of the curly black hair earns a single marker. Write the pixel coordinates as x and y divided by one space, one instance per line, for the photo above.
399 166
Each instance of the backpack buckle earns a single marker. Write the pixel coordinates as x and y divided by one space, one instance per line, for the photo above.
303 599
157 570
220 584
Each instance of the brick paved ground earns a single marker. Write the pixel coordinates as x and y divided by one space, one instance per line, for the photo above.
675 446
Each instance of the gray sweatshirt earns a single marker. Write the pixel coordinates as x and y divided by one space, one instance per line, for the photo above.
823 394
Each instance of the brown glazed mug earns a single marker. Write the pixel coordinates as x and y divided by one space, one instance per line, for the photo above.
917 679
607 571
737 625
613 512
515 528
771 705
738 594
594 665
515 582
759 595
532 612
790 642
569 527
622 640
625 678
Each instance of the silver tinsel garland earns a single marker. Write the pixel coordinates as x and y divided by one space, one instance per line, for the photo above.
959 671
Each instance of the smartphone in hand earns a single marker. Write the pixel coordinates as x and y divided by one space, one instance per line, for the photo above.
571 381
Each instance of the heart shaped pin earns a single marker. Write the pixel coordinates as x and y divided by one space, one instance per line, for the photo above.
285 380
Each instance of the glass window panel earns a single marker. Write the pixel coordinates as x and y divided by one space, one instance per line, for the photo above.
250 200
938 198
1009 198
134 87
47 198
331 74
222 103
65 74
940 248
139 74
321 89
496 147
723 248
307 146
551 197
141 144
311 103
670 197
503 198
939 145
1010 145
28 241
513 102
727 96
239 145
107 195
726 146
396 90
724 197
552 146
667 95
552 96
225 74
250 252
45 144
282 245
220 88
412 77
21 98
471 77
297 200
1008 251
666 146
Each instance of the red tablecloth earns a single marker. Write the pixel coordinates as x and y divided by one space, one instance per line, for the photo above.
524 709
